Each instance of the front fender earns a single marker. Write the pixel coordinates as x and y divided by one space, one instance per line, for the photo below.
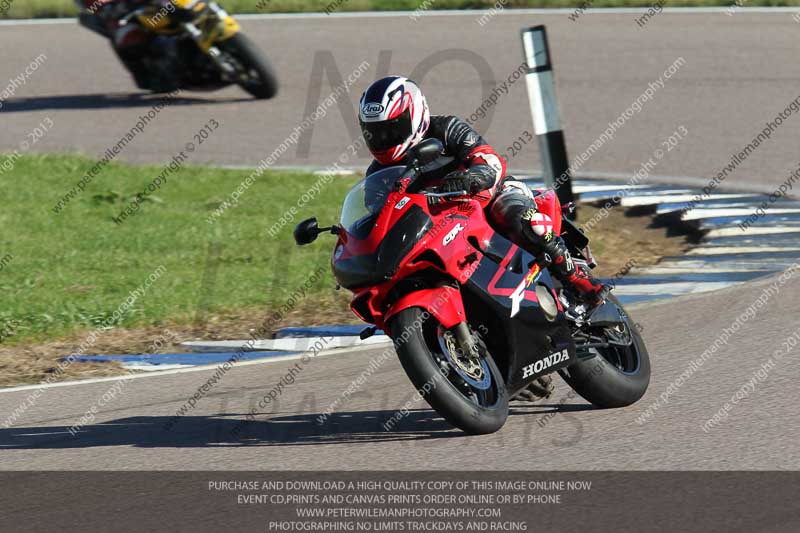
444 303
227 28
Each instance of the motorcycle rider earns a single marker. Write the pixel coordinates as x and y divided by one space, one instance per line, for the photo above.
394 117
149 57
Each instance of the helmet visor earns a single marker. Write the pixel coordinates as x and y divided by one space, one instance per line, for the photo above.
381 136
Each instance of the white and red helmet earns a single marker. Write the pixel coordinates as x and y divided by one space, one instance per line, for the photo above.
394 116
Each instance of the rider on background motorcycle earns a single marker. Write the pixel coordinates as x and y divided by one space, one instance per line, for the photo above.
394 117
149 57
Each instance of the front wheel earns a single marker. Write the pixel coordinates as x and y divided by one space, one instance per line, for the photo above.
254 70
470 393
613 367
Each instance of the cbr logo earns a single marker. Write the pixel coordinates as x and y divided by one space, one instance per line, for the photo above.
373 109
402 203
452 235
544 364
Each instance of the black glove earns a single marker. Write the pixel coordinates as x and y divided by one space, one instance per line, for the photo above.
459 180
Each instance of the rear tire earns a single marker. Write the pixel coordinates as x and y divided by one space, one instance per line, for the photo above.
604 383
263 82
418 355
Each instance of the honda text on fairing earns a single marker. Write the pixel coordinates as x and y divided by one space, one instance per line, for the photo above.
180 44
474 318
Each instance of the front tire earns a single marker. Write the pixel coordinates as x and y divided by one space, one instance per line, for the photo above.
258 77
416 336
611 377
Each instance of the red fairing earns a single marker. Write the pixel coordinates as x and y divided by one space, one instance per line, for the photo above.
448 239
444 303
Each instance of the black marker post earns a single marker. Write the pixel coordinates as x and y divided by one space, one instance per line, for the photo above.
544 111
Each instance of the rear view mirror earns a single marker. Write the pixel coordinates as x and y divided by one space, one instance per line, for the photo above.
426 152
306 231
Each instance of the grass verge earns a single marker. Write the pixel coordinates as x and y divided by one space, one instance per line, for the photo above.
66 8
72 270
77 280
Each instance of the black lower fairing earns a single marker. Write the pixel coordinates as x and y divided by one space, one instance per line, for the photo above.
519 341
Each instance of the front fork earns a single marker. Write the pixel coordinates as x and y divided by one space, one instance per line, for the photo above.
228 71
227 27
466 342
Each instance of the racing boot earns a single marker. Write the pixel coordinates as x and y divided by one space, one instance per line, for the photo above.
541 389
588 289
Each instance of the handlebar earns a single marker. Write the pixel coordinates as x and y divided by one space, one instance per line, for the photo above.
130 16
450 194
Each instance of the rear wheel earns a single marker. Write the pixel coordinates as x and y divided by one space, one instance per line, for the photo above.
255 72
468 392
614 375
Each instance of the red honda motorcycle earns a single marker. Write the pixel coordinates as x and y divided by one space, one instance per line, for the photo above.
474 318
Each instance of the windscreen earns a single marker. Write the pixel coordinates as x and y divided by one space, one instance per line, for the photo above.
366 198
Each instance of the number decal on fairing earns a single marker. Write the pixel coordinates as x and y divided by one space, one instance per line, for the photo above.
519 293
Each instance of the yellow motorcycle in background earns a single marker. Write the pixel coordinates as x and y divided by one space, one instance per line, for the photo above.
208 52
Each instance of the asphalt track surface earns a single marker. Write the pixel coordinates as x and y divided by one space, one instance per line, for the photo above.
129 433
740 71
